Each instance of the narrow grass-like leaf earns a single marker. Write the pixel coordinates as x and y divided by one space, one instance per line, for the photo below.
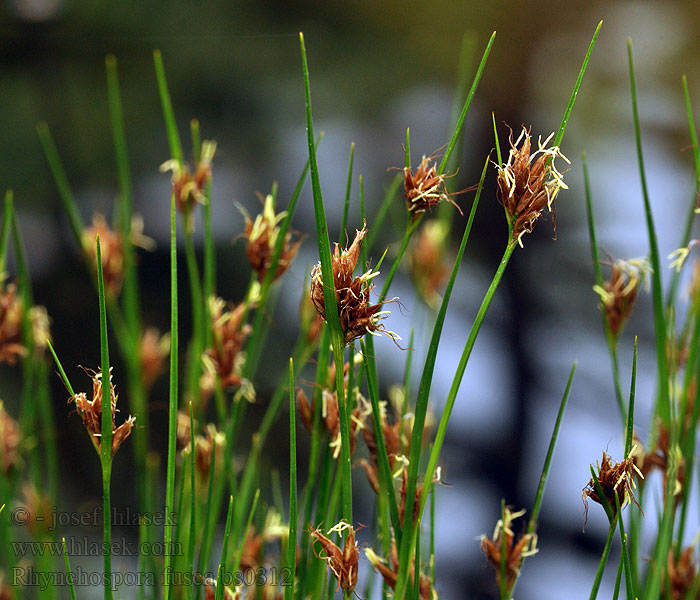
603 561
609 337
61 372
416 567
380 216
193 501
5 231
346 203
221 573
692 205
209 521
630 411
601 494
291 557
465 108
631 592
106 434
663 408
499 158
249 522
329 297
69 573
61 180
168 115
577 86
424 389
407 149
173 397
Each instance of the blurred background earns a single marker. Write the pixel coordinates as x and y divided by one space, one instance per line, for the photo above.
377 68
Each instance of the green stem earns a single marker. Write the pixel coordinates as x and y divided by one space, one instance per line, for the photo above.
172 406
603 561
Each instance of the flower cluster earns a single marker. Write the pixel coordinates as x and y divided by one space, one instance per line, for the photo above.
618 294
342 563
189 187
389 572
516 549
91 413
225 358
615 479
10 438
425 188
528 183
357 315
262 235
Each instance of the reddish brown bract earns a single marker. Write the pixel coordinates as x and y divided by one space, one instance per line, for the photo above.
425 188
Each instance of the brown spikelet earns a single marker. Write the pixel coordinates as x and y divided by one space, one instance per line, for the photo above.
425 188
262 234
342 563
516 548
528 183
357 315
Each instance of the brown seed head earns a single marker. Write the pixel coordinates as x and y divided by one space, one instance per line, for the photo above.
342 563
225 357
262 235
10 438
617 295
425 188
427 261
111 251
187 187
205 445
154 349
91 413
390 573
11 311
681 573
516 549
357 315
613 477
528 183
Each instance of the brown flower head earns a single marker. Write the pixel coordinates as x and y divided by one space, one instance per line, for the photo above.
663 457
229 593
262 235
225 358
111 251
154 349
389 572
342 563
613 478
516 549
10 438
357 315
427 261
91 413
681 573
528 183
212 441
112 248
11 311
188 187
425 188
617 295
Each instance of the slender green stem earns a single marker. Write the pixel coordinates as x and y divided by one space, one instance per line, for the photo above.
630 411
168 115
69 573
291 557
5 232
172 405
577 86
106 434
193 502
348 186
221 575
603 561
663 402
631 592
